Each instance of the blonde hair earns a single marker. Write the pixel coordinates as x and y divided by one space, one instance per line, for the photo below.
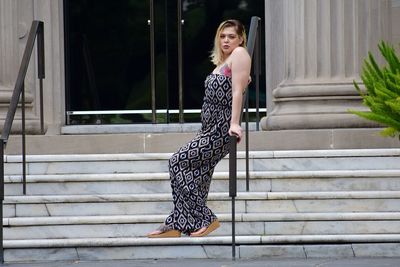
216 54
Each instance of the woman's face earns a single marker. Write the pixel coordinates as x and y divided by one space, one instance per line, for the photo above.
229 40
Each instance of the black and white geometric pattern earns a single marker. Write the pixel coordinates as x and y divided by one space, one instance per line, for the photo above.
192 167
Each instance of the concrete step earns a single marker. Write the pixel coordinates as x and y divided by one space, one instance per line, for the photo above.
118 183
247 224
329 246
170 142
209 240
186 127
353 159
251 202
99 206
267 181
224 217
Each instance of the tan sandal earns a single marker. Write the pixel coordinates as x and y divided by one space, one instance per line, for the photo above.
165 231
214 225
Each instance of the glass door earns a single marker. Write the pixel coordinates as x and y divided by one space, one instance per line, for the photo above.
126 58
107 61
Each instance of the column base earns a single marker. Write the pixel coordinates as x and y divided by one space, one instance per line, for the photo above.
315 121
32 126
316 106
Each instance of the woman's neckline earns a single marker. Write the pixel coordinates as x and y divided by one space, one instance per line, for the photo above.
224 70
220 74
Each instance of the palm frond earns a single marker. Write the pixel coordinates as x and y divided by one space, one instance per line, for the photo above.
382 94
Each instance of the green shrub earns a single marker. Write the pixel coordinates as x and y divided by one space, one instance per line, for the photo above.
382 90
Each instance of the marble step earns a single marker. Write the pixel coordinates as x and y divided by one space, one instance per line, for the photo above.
118 142
246 224
351 159
208 240
204 251
187 247
251 202
219 247
275 181
225 217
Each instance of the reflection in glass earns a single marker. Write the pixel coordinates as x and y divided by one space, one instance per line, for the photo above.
108 55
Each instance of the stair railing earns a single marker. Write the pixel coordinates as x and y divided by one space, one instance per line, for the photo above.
37 30
253 45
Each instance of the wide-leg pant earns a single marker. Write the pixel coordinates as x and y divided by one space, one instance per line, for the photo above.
191 169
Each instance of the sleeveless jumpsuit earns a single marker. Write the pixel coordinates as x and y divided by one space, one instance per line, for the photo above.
192 167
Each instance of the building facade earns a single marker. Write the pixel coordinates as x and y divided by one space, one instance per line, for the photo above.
313 51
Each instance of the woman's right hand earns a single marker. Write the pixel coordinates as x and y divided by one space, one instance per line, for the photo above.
236 130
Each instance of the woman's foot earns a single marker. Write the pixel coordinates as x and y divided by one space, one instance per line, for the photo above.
164 231
206 230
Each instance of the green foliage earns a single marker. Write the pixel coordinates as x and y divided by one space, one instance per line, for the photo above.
382 94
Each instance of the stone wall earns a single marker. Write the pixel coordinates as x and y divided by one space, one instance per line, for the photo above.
396 23
15 22
320 47
313 52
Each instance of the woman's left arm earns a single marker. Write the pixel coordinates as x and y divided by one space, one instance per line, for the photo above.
241 65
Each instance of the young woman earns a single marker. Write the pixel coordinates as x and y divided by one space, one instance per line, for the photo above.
191 168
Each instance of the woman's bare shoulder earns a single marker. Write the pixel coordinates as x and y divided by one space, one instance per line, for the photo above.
240 51
240 54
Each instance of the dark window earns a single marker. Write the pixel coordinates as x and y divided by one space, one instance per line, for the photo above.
108 55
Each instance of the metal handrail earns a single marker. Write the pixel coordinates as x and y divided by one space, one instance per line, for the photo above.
37 30
253 44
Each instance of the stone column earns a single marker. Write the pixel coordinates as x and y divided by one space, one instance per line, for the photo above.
9 53
51 12
15 21
324 44
12 34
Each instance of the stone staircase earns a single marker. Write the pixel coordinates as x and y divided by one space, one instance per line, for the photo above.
309 203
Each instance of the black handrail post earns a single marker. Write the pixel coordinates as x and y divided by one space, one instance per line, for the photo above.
252 33
247 144
257 68
1 198
41 106
41 70
233 139
23 139
252 45
233 187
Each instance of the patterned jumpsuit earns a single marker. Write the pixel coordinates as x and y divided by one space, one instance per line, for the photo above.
192 167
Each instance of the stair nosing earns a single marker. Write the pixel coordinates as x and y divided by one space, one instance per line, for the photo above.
223 217
224 196
219 175
220 240
327 153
